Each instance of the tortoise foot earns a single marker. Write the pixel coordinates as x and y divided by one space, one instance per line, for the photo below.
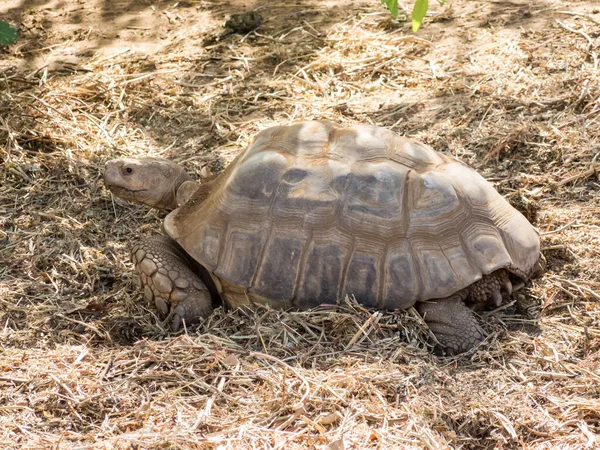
491 289
169 282
453 323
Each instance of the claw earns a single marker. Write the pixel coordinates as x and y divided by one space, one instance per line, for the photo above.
178 315
176 324
497 298
518 286
508 287
161 305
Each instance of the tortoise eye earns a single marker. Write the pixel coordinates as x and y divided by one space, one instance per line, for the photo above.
129 170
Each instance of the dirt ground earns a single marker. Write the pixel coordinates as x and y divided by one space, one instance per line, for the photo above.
510 87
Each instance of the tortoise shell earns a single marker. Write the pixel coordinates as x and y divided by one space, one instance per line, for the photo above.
312 212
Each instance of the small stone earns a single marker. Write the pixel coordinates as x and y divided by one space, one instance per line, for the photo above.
231 360
245 22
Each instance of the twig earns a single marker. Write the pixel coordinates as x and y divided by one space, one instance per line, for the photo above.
373 319
589 39
294 371
585 174
578 14
558 230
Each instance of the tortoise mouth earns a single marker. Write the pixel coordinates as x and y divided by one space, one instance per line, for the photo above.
121 191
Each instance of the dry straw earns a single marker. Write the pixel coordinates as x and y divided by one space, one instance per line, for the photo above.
510 88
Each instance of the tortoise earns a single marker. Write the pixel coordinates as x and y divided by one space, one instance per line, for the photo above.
312 212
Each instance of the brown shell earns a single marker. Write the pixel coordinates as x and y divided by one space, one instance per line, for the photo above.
312 212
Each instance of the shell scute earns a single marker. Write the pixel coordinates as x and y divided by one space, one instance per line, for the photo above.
278 270
311 197
362 278
434 200
241 256
374 198
436 273
322 271
401 286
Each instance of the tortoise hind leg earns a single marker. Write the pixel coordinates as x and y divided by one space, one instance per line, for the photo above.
452 319
453 323
170 282
491 290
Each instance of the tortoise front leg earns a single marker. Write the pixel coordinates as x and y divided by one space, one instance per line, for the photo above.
453 323
169 281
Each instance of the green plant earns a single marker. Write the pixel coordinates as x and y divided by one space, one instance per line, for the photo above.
8 34
418 13
392 5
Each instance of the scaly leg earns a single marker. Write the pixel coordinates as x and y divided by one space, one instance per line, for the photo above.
169 281
488 291
453 323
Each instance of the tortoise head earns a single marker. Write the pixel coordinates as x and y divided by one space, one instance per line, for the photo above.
151 181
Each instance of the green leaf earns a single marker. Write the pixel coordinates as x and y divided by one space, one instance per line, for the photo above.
392 5
8 34
418 14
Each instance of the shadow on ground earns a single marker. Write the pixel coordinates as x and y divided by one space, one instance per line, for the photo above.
501 85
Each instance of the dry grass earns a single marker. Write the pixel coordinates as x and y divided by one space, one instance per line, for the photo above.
512 88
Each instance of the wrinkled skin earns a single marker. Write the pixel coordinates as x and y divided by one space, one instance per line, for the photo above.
151 181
